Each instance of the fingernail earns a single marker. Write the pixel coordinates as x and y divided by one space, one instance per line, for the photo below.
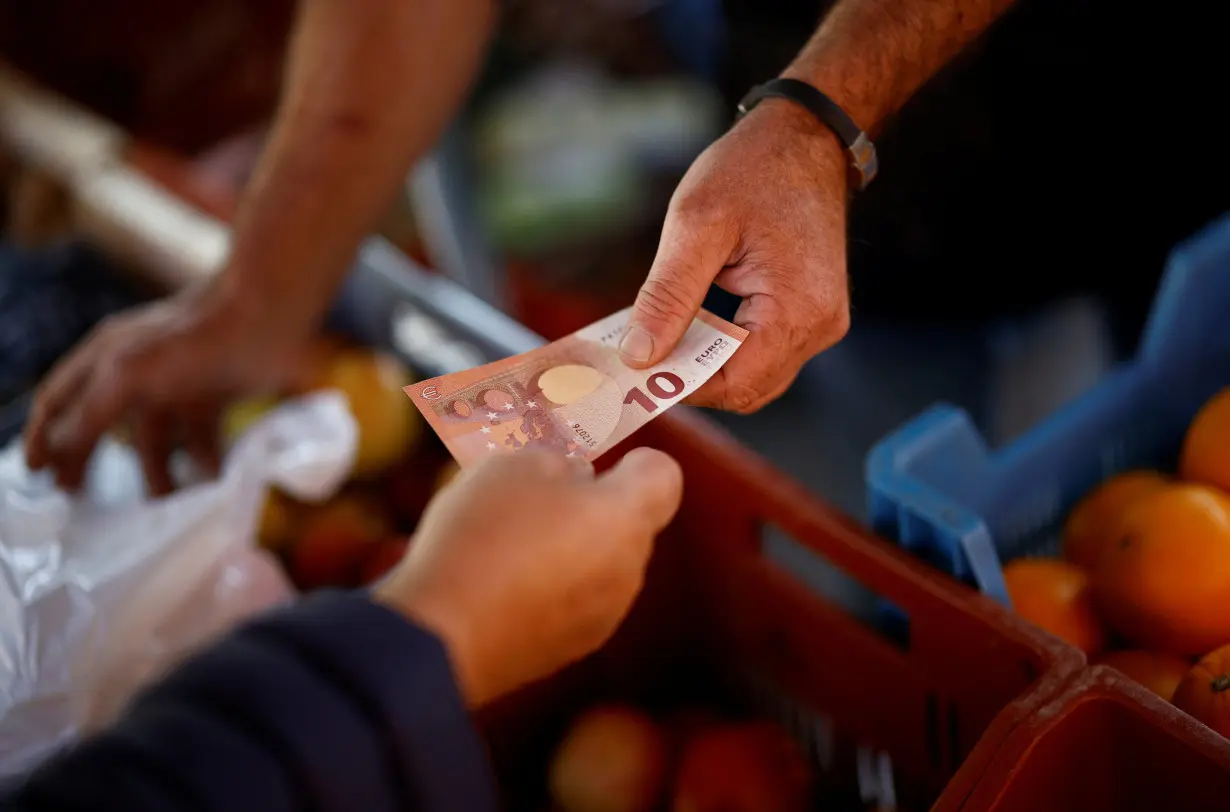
637 344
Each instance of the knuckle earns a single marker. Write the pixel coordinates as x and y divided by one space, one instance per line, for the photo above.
708 216
821 321
117 372
742 399
839 324
663 298
750 407
618 586
109 327
697 210
120 382
830 326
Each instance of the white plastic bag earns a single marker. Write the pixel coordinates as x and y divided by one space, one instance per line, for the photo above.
101 592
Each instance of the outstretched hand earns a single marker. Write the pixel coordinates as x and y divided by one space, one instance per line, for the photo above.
530 562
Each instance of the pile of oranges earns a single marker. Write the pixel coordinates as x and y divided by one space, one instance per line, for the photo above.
619 758
1144 582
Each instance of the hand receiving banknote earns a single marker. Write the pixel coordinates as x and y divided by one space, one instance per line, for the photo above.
574 397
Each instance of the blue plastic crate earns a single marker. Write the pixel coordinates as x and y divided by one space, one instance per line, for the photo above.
936 488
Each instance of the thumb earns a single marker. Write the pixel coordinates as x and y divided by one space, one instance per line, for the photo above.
645 483
688 259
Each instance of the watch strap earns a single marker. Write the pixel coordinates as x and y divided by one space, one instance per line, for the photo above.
862 153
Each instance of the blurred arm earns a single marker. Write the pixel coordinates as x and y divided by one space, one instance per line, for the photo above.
369 88
870 56
337 704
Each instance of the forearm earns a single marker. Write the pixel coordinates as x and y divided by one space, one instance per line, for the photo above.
369 88
338 701
870 56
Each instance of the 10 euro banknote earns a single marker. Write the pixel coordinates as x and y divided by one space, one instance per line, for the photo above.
573 396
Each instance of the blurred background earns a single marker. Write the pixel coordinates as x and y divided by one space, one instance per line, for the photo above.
1004 259
988 266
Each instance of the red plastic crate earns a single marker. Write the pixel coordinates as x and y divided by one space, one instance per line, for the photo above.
1104 743
721 622
551 311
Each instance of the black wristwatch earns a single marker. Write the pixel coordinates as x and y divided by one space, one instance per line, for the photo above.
861 152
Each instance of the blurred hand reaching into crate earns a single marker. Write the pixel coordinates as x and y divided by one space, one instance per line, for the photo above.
369 87
530 562
166 370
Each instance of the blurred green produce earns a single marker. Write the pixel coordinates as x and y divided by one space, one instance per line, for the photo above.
567 155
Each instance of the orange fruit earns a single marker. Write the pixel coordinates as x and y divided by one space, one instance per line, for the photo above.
241 415
749 767
1094 522
1205 691
329 558
1160 673
388 422
1055 595
614 759
1206 449
1165 585
335 539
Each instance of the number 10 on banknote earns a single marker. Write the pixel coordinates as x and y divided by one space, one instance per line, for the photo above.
573 396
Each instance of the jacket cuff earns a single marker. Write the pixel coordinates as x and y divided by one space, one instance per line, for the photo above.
400 675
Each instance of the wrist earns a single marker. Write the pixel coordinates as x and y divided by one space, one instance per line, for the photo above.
805 141
262 303
399 594
837 73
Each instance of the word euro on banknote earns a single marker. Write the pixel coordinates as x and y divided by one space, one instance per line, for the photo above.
574 396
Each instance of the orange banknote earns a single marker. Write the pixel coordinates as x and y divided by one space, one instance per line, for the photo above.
574 396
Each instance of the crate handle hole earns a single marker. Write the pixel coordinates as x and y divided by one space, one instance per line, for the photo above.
834 585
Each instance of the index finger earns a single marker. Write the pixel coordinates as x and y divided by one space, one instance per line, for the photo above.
645 483
692 251
65 380
72 436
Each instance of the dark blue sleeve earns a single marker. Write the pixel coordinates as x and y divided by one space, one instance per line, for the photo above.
335 705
